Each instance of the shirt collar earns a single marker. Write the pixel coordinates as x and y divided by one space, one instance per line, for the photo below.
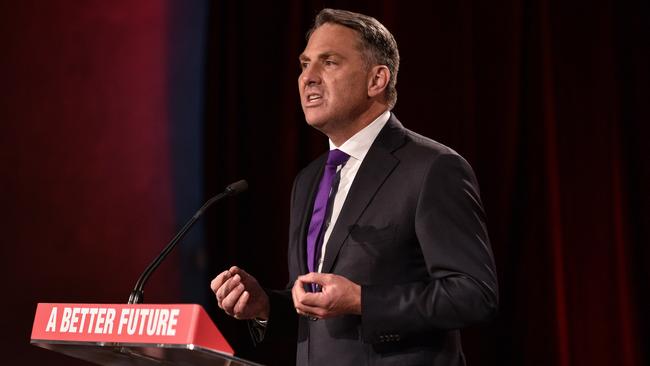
358 145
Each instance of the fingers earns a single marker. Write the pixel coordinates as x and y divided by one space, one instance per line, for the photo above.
239 310
248 280
227 289
240 295
318 278
298 293
219 280
232 299
310 304
311 311
338 296
311 299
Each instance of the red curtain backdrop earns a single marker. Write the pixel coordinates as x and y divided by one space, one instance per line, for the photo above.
86 196
548 100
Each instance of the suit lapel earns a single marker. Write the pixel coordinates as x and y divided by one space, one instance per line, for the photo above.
375 168
312 178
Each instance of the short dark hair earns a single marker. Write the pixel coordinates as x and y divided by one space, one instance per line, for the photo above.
377 44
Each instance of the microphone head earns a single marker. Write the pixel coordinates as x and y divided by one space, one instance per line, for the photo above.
237 187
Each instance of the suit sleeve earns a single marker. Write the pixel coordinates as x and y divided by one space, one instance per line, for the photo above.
283 320
461 289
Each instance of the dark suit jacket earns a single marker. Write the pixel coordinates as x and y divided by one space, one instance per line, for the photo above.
412 233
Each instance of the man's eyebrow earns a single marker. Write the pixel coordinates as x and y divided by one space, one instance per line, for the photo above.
321 56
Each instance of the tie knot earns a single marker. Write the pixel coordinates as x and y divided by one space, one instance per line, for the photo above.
337 157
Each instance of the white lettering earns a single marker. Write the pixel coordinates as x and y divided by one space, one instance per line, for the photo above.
110 316
84 312
144 313
173 321
139 321
74 319
153 321
162 322
92 312
123 320
51 324
100 321
88 320
133 324
65 320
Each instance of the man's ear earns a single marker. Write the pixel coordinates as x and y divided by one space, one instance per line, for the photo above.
378 80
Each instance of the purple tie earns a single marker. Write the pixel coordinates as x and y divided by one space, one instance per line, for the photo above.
315 235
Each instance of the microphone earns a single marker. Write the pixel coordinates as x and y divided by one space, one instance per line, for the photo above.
137 295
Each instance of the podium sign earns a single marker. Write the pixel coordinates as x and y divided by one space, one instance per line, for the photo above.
136 334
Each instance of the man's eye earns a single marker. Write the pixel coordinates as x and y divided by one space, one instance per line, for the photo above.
330 63
303 65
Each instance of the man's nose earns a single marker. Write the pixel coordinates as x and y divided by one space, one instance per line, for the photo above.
310 75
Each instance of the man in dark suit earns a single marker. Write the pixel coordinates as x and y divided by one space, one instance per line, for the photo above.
388 250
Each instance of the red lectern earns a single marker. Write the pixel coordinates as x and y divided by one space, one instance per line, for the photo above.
142 334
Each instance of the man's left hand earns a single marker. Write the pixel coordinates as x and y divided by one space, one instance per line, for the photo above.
338 296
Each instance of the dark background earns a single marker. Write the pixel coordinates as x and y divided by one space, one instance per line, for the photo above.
119 118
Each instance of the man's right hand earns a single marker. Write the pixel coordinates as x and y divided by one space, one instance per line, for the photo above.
240 295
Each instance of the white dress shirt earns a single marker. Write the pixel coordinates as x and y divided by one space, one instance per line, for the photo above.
357 147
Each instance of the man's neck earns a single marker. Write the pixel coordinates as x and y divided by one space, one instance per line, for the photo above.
339 137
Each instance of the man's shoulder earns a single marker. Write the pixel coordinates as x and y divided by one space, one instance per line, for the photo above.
426 144
313 167
417 145
423 155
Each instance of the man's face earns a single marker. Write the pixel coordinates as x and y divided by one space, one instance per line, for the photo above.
333 84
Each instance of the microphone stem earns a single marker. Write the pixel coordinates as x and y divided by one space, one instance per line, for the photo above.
137 295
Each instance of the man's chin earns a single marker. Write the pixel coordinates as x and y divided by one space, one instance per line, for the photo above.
315 122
